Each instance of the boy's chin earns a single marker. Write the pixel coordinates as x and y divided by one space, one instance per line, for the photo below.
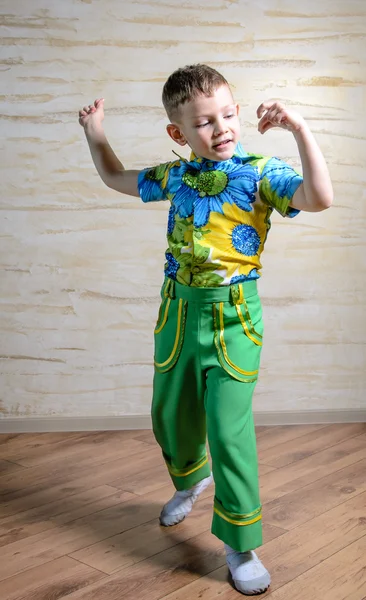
219 156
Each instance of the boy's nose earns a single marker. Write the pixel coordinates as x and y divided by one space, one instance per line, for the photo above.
220 127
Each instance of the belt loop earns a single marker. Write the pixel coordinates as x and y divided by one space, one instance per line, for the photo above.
169 289
237 294
241 294
166 289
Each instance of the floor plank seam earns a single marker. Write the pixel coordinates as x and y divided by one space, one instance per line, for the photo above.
130 529
39 506
311 568
321 513
297 437
87 472
29 568
313 481
81 562
179 543
74 459
313 453
12 462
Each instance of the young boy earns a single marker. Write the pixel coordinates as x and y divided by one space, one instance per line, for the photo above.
209 331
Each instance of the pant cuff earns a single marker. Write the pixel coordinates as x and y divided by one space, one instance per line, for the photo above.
184 479
242 532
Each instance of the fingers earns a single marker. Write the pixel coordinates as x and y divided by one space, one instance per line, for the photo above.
265 126
265 106
88 109
272 113
92 108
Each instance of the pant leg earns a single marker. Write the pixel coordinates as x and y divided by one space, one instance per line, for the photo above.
178 412
230 385
231 435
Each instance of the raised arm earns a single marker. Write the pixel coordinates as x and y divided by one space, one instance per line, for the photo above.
110 169
316 192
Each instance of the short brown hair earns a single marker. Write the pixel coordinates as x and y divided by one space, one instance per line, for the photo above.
187 83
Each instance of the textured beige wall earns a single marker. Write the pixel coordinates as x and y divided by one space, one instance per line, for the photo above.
81 266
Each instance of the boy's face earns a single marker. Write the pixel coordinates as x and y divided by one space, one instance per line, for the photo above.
209 125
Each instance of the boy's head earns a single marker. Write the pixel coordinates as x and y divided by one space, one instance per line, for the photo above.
203 114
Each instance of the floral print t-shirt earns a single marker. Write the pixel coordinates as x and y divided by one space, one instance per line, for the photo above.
219 214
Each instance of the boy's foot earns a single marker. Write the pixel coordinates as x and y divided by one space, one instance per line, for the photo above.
182 502
249 575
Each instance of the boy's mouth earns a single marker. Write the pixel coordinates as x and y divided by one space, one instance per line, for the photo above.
222 144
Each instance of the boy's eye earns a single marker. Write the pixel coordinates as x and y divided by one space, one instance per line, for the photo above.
229 116
202 124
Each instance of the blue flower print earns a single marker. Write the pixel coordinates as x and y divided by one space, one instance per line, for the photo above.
151 190
245 240
171 266
152 183
171 220
253 274
202 186
283 178
278 184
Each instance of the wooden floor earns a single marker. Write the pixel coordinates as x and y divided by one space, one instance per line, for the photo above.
79 519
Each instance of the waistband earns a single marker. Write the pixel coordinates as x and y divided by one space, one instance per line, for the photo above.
235 293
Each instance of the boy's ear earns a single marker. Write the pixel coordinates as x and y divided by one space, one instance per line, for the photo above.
176 134
237 108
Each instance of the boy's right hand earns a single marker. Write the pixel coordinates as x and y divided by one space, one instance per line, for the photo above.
92 114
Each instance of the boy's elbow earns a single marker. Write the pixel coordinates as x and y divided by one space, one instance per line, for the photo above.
111 181
109 184
322 201
325 202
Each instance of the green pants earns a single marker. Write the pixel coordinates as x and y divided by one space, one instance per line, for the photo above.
207 353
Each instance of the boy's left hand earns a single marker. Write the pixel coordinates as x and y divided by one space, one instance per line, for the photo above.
275 114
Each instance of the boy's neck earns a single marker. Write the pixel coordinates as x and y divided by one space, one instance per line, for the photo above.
239 151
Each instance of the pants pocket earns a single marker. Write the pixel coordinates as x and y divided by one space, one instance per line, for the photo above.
169 333
238 342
